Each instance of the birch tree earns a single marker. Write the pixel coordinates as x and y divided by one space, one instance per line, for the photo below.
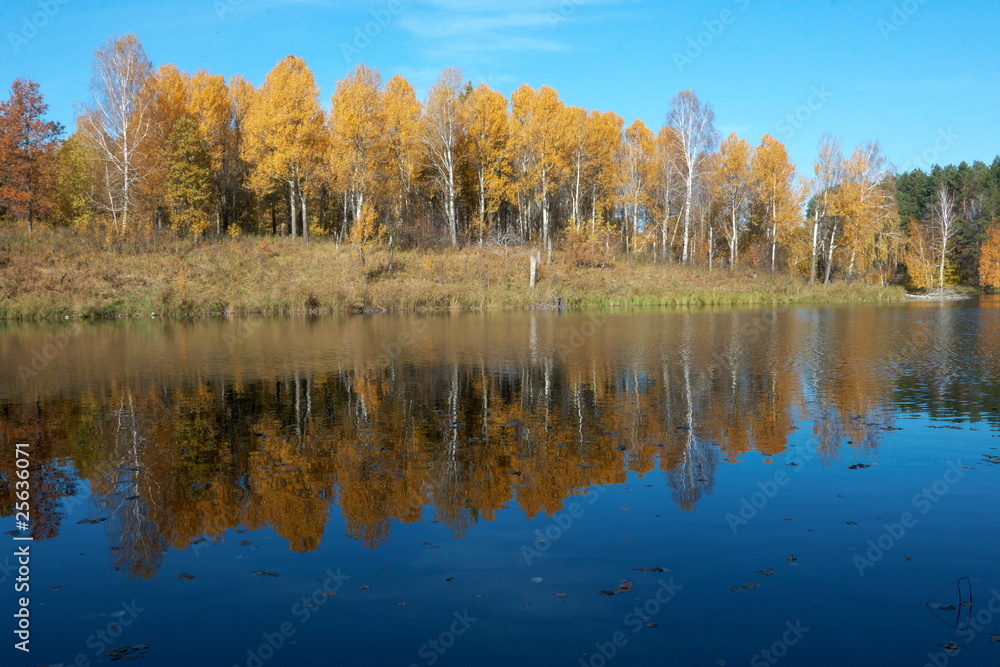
945 221
117 125
697 138
442 137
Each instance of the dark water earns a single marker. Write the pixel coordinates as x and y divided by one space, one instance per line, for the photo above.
456 490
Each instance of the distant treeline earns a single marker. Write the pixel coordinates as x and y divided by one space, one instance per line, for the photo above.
156 151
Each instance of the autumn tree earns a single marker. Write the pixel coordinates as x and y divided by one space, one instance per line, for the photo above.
540 141
117 126
211 105
402 137
866 208
945 225
829 172
188 188
694 124
774 177
73 182
735 186
918 255
669 187
27 148
637 176
484 116
602 168
359 151
284 136
989 257
441 136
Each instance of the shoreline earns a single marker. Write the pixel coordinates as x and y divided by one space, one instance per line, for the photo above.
59 274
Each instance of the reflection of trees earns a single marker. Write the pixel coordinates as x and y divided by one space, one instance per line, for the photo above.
170 461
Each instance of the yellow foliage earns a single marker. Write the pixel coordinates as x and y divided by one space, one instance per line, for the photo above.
366 228
918 258
989 257
594 245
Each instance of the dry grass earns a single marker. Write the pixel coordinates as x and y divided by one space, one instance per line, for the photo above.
55 273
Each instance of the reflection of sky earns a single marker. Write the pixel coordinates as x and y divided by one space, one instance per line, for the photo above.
626 526
908 427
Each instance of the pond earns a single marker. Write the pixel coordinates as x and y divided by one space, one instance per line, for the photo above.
806 485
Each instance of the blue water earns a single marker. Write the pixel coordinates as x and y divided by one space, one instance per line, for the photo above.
417 507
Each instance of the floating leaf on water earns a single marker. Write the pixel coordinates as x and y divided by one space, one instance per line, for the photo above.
951 647
560 595
767 573
851 523
652 625
859 466
736 589
184 576
450 579
262 573
400 604
751 585
624 587
648 569
946 607
536 580
907 558
363 587
793 559
995 638
329 595
127 652
245 543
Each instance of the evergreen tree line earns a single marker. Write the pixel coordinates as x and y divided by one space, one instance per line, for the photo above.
157 150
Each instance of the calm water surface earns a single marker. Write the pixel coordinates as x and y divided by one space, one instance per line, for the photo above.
818 485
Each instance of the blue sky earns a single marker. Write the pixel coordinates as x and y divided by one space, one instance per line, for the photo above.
919 76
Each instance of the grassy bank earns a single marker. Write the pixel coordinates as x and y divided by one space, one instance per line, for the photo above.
55 273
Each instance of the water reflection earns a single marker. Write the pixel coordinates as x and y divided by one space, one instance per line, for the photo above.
183 431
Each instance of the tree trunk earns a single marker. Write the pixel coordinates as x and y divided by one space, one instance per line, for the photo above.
292 207
829 255
687 216
305 219
815 248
